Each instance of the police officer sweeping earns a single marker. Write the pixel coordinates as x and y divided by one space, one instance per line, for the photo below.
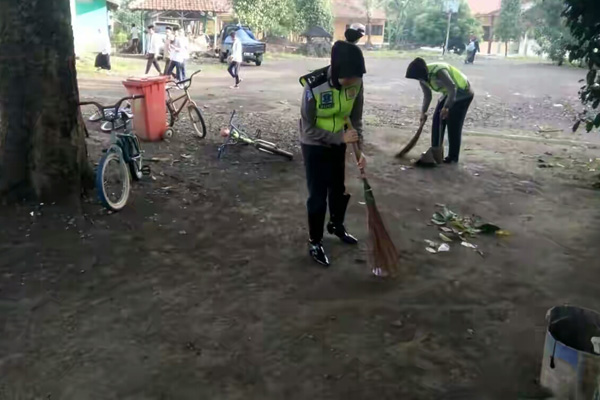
451 109
332 95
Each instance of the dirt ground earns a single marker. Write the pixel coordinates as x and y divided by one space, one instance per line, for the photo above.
202 288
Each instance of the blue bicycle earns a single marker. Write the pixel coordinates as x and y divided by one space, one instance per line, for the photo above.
122 158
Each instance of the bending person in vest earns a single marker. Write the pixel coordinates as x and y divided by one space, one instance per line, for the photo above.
451 109
331 96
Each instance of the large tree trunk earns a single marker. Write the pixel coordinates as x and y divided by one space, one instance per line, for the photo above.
42 137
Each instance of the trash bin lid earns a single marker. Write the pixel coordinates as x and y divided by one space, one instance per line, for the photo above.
145 81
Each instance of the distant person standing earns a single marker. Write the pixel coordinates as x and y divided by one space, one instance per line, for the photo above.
103 56
177 56
235 60
472 50
153 50
135 38
169 37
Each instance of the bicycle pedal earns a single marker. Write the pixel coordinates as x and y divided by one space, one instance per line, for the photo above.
146 170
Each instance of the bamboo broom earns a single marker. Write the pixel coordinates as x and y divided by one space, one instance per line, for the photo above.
383 256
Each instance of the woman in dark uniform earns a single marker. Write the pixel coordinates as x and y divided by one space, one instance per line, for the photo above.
332 96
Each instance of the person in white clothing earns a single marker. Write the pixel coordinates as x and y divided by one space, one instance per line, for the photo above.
104 48
154 44
185 51
177 56
235 60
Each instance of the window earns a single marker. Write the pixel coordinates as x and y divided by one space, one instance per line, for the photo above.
376 30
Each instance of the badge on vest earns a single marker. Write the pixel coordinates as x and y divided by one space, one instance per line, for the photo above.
351 93
326 100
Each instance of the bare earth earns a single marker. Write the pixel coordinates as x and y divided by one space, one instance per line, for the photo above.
202 287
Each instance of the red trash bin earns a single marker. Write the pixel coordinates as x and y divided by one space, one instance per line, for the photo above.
150 121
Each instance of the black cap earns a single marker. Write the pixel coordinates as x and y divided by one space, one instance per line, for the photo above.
347 61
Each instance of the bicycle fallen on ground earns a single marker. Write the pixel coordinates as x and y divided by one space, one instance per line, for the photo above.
122 158
173 109
233 135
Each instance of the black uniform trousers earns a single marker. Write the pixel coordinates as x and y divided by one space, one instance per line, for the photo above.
455 122
325 170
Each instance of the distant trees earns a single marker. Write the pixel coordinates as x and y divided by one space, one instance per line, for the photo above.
427 26
550 29
510 26
281 17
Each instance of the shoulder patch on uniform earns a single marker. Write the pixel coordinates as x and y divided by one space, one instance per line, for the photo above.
351 92
326 100
309 95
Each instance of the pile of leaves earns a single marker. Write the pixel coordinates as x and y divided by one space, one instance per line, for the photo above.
457 228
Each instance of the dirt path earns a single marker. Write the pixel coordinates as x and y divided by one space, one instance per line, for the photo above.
202 288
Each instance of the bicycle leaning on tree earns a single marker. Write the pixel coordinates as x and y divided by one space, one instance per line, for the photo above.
122 158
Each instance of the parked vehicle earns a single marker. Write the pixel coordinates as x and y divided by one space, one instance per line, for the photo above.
253 49
456 46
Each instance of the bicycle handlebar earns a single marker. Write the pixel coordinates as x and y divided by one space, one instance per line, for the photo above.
116 107
183 82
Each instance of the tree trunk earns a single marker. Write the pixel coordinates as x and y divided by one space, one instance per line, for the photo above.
43 153
505 49
369 42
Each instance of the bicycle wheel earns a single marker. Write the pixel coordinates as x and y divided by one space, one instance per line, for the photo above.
270 148
197 121
112 181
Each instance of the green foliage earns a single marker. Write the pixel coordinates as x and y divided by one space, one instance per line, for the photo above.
281 17
267 16
510 25
549 29
583 20
126 17
314 13
428 26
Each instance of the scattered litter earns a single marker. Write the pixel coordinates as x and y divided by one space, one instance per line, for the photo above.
516 94
182 232
446 229
153 178
362 203
558 105
445 238
166 188
399 324
186 156
431 243
32 214
443 248
471 332
432 251
476 174
502 233
159 159
469 245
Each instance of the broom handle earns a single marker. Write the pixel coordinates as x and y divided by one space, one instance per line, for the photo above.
357 152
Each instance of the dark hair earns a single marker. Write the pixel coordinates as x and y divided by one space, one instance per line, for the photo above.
150 26
417 69
175 28
347 61
168 28
232 33
133 25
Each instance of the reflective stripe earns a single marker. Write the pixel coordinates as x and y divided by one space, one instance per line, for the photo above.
459 79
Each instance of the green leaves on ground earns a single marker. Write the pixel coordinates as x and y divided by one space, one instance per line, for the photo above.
454 225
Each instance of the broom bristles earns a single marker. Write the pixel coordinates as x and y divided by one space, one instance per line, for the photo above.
383 256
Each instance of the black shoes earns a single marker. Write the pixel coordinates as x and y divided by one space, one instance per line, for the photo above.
317 252
340 231
449 160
